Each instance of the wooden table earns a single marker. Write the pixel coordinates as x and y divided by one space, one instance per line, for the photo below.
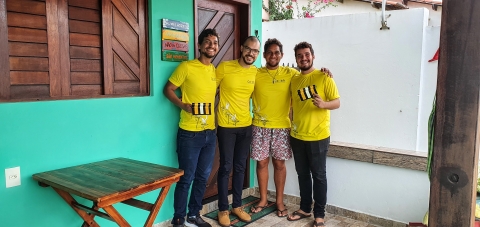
109 182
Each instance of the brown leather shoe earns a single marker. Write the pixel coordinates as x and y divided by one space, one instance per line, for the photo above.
223 218
241 214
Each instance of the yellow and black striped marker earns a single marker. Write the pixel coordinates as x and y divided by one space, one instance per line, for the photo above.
201 108
307 92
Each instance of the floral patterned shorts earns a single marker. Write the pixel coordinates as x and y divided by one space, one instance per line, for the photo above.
273 142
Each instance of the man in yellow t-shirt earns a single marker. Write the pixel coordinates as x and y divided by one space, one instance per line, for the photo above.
236 80
314 94
271 123
196 139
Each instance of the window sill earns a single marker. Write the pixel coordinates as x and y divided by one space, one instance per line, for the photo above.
379 155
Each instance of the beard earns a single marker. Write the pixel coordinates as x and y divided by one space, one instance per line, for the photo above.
206 54
305 68
245 59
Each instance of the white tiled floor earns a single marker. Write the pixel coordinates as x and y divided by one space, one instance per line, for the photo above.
274 221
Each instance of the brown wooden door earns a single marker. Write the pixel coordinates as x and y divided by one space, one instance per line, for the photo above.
231 20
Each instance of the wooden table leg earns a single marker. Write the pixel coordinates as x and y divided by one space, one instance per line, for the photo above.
94 207
116 216
88 218
156 206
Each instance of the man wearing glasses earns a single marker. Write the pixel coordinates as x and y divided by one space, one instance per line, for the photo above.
236 79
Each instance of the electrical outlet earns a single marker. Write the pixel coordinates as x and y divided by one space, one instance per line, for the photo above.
12 177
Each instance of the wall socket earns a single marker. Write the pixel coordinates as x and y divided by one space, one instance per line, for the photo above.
12 177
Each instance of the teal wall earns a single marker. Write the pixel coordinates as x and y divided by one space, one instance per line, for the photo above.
47 135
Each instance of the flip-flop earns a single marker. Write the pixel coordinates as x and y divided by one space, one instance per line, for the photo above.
282 213
301 216
255 210
318 224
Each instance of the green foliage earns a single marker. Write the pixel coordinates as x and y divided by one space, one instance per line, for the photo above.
313 7
478 185
279 9
283 9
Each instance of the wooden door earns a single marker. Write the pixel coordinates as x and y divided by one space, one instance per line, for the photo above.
231 20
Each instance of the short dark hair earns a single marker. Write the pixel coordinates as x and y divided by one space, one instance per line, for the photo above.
207 32
303 45
273 41
251 38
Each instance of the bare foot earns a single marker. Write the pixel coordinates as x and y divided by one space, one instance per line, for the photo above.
281 210
319 222
280 206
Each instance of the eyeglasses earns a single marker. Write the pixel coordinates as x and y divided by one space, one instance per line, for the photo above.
250 50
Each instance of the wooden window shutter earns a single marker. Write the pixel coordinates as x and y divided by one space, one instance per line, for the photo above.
124 47
4 55
84 49
25 37
72 48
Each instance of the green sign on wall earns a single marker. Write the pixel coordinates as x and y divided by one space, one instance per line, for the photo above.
174 56
175 39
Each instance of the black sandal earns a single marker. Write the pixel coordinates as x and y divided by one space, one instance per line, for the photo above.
282 213
254 208
300 215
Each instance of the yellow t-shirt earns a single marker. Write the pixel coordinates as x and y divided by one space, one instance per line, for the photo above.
198 84
271 97
236 87
311 123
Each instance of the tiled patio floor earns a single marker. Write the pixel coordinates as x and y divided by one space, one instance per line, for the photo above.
274 221
331 220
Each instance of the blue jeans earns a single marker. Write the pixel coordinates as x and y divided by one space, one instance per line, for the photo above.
234 145
310 162
195 157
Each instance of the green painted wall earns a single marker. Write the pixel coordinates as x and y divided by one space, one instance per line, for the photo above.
47 135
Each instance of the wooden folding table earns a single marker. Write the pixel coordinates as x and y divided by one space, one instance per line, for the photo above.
109 182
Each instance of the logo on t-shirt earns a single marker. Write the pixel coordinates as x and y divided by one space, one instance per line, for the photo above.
307 92
201 108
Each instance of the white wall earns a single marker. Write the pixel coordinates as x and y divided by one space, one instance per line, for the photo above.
428 83
393 193
386 88
378 72
388 192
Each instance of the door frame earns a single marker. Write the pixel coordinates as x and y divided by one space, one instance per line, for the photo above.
244 11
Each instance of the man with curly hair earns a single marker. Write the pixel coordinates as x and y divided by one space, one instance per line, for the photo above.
196 139
271 123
